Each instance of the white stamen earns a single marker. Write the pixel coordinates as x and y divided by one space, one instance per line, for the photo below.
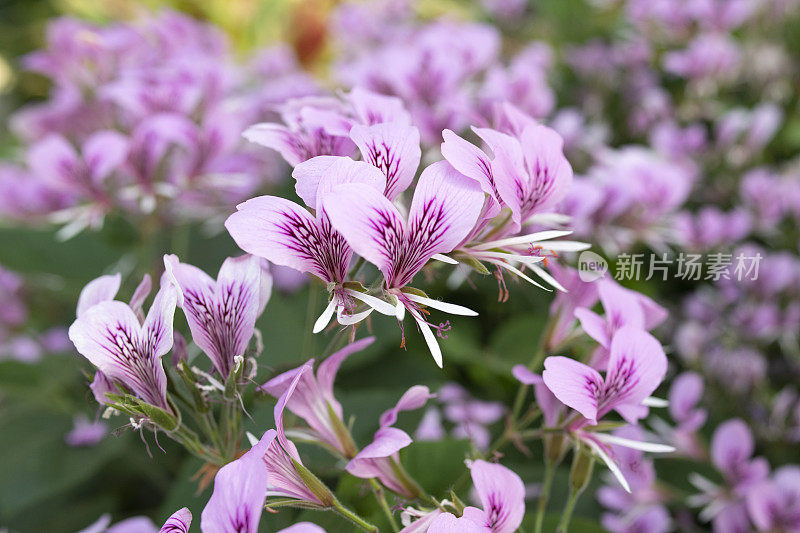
109 412
453 309
702 483
652 401
214 384
547 219
526 259
517 272
634 444
237 362
713 509
430 339
325 318
400 310
542 273
252 439
609 463
444 259
349 320
381 306
523 239
567 246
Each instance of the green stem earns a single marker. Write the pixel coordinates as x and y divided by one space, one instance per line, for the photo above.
189 440
380 496
534 363
563 525
549 470
311 311
359 264
344 512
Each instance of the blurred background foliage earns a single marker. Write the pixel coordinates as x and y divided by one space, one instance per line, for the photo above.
49 487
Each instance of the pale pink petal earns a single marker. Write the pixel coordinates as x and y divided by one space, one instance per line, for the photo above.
445 208
374 461
240 488
140 294
286 234
523 375
104 152
178 522
394 149
594 325
375 108
369 222
731 445
319 175
157 325
621 306
636 366
102 289
543 149
469 160
414 398
449 523
54 160
576 385
308 174
502 495
279 408
279 138
326 373
302 527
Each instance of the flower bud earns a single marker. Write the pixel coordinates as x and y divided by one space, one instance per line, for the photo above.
315 485
581 471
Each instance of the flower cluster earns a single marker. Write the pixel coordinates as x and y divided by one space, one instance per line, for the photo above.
143 118
451 153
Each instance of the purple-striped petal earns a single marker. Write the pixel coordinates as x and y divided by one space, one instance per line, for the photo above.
392 148
370 223
240 488
222 313
636 366
179 522
110 337
286 234
502 495
374 461
104 152
319 175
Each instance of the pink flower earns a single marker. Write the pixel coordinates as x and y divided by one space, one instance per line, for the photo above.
313 398
221 313
502 496
445 208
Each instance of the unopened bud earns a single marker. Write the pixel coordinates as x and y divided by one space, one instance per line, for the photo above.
582 466
555 446
316 486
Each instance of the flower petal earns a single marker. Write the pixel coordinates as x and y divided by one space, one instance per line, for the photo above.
414 398
102 289
178 522
319 175
574 384
636 366
502 495
369 222
394 149
286 234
